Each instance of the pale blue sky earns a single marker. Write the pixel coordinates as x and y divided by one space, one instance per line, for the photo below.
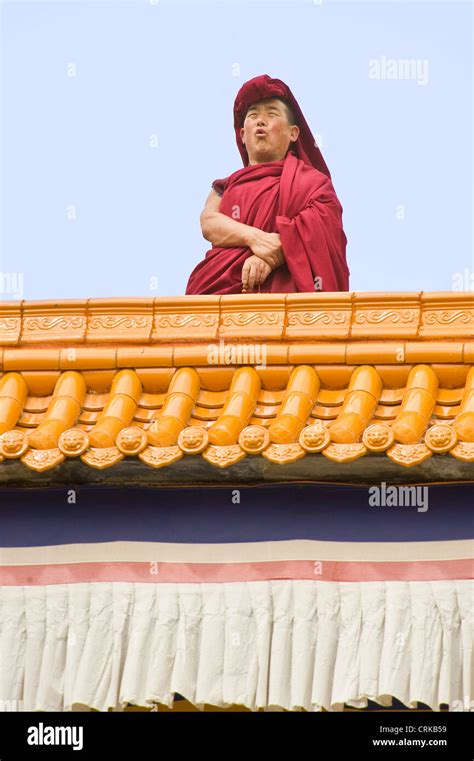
92 208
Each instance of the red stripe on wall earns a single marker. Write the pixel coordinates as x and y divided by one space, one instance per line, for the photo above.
156 573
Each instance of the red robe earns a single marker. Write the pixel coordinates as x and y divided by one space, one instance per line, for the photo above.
292 198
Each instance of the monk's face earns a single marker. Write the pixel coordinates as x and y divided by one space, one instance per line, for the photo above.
267 133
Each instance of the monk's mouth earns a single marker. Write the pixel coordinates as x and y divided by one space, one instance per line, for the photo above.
260 134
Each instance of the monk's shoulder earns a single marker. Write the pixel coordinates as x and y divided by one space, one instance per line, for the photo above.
219 186
312 175
315 183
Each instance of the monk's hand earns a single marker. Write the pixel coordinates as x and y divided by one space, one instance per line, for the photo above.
267 246
254 272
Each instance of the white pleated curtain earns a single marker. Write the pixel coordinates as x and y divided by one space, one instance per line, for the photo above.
287 644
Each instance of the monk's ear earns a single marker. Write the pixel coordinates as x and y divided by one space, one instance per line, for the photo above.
242 133
295 131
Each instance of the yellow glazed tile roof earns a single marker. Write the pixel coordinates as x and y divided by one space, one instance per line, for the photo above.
337 375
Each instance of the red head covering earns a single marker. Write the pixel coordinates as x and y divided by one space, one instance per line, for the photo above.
262 87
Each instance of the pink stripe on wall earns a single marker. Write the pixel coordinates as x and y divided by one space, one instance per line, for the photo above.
156 573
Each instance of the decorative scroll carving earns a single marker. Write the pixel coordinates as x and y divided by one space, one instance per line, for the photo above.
448 317
284 453
9 323
344 452
42 459
409 454
222 457
158 457
48 323
247 318
311 318
186 320
111 322
376 316
102 458
463 451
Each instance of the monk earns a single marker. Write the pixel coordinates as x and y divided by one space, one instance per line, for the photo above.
276 225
